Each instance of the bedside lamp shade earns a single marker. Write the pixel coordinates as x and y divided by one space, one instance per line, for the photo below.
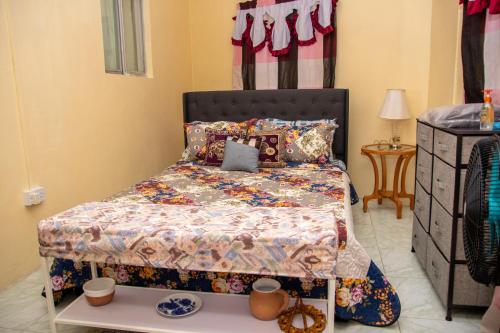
395 106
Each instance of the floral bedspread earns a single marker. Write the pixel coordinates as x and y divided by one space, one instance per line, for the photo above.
363 293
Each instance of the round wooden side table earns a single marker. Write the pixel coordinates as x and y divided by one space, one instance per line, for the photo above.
404 155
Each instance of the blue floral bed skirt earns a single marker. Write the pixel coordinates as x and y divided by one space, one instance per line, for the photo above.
371 301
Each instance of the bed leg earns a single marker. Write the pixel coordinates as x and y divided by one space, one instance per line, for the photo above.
93 270
331 306
49 297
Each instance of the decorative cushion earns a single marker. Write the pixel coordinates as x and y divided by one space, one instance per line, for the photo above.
252 125
216 143
280 122
272 150
306 143
241 155
252 141
196 136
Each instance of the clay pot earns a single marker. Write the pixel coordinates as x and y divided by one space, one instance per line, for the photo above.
100 301
100 291
267 300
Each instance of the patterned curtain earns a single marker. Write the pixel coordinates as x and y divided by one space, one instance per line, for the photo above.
481 49
284 44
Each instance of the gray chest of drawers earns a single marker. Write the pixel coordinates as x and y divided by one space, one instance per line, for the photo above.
442 157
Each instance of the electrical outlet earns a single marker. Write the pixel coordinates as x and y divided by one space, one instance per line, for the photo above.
34 196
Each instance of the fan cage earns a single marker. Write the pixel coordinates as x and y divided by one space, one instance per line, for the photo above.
480 239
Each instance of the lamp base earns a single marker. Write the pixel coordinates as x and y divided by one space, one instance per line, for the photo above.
395 142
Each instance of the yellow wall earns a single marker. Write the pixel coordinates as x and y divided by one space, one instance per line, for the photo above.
458 91
15 222
444 57
211 28
86 134
381 44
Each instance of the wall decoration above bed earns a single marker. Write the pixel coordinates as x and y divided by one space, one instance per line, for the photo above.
480 49
284 44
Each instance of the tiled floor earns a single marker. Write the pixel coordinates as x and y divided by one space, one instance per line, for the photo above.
387 241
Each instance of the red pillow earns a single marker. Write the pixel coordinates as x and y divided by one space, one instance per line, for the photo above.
272 150
216 142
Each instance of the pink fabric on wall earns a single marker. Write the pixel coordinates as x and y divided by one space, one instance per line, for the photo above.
284 44
495 7
481 39
477 6
270 25
237 56
266 65
492 55
236 73
266 70
261 3
310 66
314 51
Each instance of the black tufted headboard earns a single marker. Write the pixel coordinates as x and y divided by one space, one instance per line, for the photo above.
301 104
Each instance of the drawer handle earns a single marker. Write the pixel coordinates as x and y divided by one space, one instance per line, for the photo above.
440 184
437 227
442 147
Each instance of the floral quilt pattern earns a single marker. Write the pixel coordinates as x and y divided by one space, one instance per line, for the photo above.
369 299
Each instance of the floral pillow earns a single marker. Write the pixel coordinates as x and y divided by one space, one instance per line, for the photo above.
280 122
272 149
196 136
308 143
216 143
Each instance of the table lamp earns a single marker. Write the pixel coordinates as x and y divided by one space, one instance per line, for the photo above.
395 109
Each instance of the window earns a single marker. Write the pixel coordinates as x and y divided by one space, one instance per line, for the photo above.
123 36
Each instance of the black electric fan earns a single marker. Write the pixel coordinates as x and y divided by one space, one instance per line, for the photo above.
481 227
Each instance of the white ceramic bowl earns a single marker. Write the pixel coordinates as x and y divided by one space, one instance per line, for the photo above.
99 291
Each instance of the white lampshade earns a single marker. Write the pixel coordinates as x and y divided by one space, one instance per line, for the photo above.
395 106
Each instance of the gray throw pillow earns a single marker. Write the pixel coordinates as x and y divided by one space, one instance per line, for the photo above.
240 157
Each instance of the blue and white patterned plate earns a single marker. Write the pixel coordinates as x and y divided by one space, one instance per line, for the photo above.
178 305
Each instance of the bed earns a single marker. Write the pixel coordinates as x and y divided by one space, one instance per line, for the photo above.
308 205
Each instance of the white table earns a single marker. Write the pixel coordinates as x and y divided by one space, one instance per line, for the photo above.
133 309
